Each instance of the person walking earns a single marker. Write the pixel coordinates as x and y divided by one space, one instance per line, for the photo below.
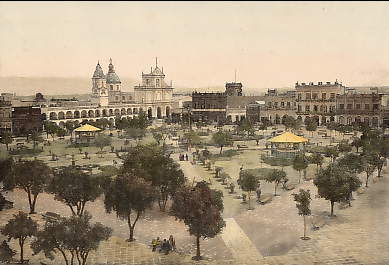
172 243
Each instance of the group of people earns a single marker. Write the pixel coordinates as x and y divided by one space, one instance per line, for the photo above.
164 246
184 157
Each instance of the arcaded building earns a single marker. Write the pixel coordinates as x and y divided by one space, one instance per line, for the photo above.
317 100
278 105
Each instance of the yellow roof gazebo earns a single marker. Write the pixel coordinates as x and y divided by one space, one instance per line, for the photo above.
288 137
86 131
87 128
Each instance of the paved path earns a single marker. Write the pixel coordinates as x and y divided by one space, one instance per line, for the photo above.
238 243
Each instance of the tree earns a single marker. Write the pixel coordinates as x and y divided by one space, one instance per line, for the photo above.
357 143
129 196
30 176
222 138
249 183
6 138
300 163
135 133
36 138
311 125
20 228
289 122
331 152
275 176
245 126
192 138
102 141
200 208
335 184
70 126
151 163
60 132
6 253
51 128
317 159
344 146
303 201
74 188
369 163
74 235
352 162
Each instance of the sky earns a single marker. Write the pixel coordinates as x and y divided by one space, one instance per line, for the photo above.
200 44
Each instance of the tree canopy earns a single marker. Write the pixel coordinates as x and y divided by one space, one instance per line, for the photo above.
248 182
200 208
222 138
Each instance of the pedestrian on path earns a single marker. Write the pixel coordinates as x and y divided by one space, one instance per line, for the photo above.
172 242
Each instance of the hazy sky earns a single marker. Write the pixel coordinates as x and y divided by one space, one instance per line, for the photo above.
200 44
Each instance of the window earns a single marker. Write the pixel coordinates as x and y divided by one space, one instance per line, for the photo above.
375 106
341 106
282 104
349 106
157 82
147 82
299 108
367 106
307 108
332 95
307 95
117 98
124 98
288 104
269 104
275 104
299 96
314 96
324 95
111 87
315 108
357 106
117 87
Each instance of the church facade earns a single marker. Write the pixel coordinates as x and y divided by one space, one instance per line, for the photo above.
153 96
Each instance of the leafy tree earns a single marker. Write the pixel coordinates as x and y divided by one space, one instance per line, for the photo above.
335 184
222 138
352 162
135 133
36 138
249 183
129 196
275 176
6 138
317 159
357 143
369 163
20 228
74 188
30 176
200 208
300 163
331 152
51 128
311 126
192 138
151 163
60 132
303 201
102 141
257 138
70 126
73 237
288 121
344 146
246 126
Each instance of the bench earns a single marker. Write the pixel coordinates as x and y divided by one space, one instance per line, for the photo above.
317 222
266 198
289 186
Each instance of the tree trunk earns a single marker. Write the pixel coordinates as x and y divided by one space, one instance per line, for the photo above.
332 208
6 146
367 179
21 243
299 176
33 203
305 227
249 195
198 256
221 149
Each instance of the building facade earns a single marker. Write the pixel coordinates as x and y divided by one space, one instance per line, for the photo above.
5 113
153 97
353 107
26 120
317 100
278 105
209 106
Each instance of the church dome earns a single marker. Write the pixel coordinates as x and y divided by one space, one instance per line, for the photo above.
98 72
112 77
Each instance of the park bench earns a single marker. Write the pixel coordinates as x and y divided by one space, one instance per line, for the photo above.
266 198
317 222
51 217
289 186
243 146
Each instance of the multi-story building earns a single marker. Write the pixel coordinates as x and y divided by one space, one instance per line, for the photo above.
26 120
278 105
153 97
353 107
317 100
209 106
5 113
